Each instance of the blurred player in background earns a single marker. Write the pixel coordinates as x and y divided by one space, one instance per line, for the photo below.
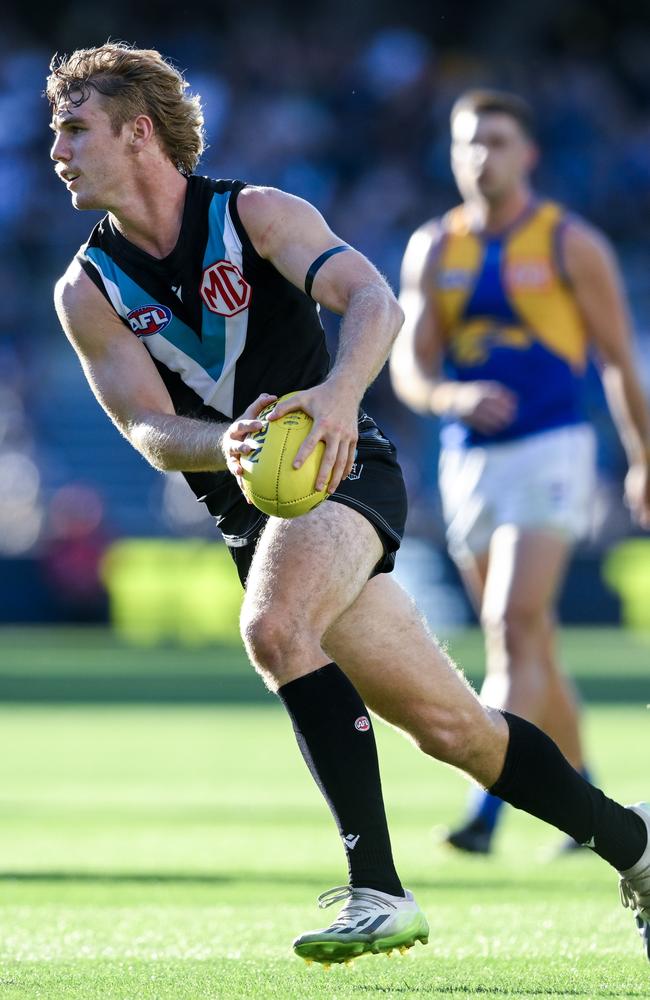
194 300
504 297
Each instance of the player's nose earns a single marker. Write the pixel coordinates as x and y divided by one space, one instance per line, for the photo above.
58 151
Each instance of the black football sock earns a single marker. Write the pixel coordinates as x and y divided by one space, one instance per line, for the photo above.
539 780
335 736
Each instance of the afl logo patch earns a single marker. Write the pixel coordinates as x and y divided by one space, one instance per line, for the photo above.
149 319
224 289
362 724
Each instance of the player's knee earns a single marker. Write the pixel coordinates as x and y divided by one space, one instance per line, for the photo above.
275 642
514 629
265 638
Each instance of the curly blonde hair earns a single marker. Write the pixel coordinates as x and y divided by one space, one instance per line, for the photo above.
134 82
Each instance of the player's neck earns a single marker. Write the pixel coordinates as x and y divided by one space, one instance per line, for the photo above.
496 215
150 216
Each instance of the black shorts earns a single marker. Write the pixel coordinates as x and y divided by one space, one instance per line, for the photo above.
375 488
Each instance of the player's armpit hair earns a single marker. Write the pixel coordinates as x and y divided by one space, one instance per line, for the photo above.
318 263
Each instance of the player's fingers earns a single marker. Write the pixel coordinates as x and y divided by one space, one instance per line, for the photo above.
338 469
240 483
486 423
328 461
241 428
501 404
246 447
250 425
493 415
286 406
500 401
265 399
307 447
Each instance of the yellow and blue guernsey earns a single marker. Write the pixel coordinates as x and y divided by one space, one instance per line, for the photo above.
507 314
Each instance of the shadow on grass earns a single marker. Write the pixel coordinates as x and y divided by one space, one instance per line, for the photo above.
496 887
242 688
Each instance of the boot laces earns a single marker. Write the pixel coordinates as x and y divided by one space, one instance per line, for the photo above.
628 897
634 897
358 902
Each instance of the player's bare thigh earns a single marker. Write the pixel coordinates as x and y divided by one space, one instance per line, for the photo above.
304 575
526 566
385 648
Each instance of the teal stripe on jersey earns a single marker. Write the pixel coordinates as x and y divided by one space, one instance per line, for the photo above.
213 326
208 353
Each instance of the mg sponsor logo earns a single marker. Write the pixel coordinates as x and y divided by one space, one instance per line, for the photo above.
362 724
224 290
149 319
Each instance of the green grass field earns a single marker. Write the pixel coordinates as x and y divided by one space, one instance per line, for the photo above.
90 664
170 851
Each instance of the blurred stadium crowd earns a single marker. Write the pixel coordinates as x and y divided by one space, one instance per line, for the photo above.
349 110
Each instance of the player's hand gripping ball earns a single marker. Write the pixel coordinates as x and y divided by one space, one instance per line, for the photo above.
270 480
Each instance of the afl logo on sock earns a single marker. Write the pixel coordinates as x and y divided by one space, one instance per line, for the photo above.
362 724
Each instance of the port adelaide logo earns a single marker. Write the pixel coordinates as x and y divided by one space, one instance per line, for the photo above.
146 320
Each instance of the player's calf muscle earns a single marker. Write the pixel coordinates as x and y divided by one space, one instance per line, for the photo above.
465 735
405 677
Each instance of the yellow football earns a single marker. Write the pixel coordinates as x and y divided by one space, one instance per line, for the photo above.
270 480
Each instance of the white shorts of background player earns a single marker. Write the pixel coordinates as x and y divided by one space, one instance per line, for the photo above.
544 481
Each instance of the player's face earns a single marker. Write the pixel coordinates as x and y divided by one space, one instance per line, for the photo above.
89 157
490 154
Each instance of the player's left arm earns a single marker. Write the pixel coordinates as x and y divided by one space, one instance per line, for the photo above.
292 235
594 274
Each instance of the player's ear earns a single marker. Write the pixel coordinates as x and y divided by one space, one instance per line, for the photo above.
532 155
141 132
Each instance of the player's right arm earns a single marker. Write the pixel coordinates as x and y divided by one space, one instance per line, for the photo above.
126 383
416 360
597 285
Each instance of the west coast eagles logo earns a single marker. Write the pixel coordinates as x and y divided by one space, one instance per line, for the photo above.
224 289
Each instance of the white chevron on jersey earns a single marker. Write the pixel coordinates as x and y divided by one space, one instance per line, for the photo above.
192 373
236 326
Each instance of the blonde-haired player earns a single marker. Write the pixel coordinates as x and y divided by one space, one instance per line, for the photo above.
192 306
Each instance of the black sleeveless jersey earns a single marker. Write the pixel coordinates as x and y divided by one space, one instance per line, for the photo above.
221 323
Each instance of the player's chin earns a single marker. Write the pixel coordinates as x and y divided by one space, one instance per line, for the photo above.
83 201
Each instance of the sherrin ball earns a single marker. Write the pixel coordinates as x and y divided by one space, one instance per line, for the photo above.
270 481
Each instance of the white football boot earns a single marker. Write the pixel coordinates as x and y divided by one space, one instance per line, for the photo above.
635 883
370 922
